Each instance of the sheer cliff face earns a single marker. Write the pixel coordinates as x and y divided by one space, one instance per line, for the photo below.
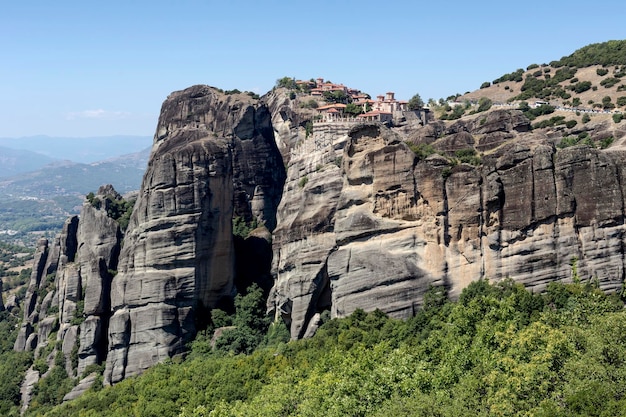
213 158
135 303
380 228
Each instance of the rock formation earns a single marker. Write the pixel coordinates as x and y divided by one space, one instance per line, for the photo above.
380 228
358 221
68 293
134 303
214 159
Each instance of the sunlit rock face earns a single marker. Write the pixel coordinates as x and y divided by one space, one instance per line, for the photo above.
379 228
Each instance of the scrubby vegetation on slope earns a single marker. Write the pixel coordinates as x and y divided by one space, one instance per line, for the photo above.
499 350
591 78
605 53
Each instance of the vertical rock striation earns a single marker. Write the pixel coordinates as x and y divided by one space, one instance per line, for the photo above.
380 229
214 158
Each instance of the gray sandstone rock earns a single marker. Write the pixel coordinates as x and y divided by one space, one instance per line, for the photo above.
391 226
214 158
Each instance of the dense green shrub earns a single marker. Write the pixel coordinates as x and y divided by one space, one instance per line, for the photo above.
513 76
485 84
582 139
618 117
422 150
13 365
581 86
553 121
606 103
456 112
609 82
242 228
533 113
602 72
484 104
287 82
606 142
353 109
621 101
468 156
338 96
250 323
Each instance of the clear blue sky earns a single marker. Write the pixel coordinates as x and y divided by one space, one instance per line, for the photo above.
83 68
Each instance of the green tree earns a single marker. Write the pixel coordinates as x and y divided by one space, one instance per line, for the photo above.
415 103
606 103
250 321
353 109
287 82
484 104
337 96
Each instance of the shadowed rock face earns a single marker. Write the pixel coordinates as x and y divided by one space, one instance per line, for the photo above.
214 158
379 230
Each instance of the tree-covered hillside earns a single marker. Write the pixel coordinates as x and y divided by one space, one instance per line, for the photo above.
605 53
498 351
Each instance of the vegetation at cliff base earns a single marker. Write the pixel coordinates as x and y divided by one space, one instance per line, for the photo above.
499 351
12 365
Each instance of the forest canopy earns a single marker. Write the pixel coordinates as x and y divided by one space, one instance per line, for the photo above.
499 351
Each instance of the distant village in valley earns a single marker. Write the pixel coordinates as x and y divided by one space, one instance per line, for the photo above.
345 104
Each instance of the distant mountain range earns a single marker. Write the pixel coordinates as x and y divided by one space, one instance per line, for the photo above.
16 161
72 178
41 199
85 149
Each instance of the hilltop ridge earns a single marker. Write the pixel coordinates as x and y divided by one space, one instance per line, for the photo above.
591 78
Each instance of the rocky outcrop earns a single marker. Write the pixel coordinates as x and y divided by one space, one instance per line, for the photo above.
131 300
380 229
290 115
214 158
69 290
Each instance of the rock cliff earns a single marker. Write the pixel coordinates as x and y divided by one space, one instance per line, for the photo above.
67 304
214 159
129 300
364 223
366 216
